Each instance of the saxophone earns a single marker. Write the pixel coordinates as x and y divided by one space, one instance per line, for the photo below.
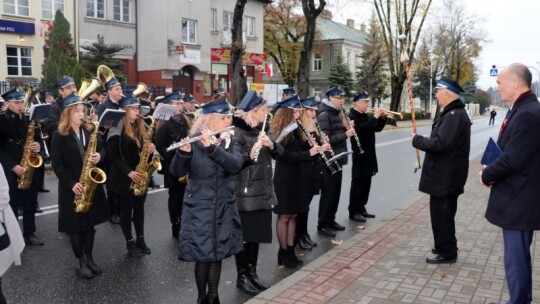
30 160
144 167
91 176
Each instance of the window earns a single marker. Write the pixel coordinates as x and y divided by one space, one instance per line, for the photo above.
17 7
189 31
95 9
49 8
122 10
214 20
349 57
227 21
317 62
249 26
19 61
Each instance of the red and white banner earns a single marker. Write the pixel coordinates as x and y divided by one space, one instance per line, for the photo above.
224 55
269 70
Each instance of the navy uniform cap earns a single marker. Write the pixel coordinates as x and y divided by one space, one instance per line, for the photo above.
217 106
49 94
13 94
189 98
310 103
174 96
219 90
451 85
250 101
129 101
291 102
335 91
289 91
64 81
71 100
112 83
361 96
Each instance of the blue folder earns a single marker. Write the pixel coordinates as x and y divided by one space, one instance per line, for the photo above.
491 153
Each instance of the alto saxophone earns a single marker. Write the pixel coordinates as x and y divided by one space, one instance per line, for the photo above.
144 167
91 176
30 160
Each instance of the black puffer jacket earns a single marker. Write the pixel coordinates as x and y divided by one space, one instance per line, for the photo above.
331 122
254 185
169 132
446 166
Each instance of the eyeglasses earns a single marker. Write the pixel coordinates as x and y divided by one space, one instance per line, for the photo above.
104 94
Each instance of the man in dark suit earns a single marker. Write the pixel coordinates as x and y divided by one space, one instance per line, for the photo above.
14 126
445 168
364 165
65 86
514 179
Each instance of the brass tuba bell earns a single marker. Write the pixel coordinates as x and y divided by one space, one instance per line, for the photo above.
141 91
104 73
88 87
29 95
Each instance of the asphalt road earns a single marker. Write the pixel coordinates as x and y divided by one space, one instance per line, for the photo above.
47 274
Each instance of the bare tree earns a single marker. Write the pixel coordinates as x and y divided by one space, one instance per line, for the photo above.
311 12
400 17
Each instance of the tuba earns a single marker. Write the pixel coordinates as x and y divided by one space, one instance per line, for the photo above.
104 73
144 167
30 160
29 96
141 91
91 176
90 86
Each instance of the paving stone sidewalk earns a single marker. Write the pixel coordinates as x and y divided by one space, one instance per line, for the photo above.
385 262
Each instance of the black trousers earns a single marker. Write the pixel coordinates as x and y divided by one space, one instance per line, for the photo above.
23 200
176 199
443 211
359 195
113 201
132 211
491 120
329 200
302 221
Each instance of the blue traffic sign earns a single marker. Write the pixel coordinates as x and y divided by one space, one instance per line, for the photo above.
494 72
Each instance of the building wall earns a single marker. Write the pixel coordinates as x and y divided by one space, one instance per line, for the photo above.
34 42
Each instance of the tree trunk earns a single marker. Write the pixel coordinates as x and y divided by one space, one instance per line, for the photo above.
397 88
238 75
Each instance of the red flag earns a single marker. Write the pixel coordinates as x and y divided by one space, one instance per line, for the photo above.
269 70
49 25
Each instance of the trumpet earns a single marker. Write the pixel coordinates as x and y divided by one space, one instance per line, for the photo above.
390 114
196 138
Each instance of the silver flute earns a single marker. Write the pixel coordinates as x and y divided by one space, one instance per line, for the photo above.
262 130
196 138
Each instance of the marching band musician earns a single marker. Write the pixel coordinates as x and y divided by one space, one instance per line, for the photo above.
189 107
210 229
13 132
70 144
254 187
168 132
364 166
124 145
66 86
314 174
290 178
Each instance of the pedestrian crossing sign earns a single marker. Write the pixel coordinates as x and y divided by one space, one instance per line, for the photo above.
493 72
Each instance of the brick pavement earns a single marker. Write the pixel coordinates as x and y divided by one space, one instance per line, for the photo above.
385 262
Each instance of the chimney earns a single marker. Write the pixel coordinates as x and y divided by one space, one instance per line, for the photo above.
363 27
350 23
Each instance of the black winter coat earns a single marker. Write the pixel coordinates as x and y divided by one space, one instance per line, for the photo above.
446 166
254 186
515 176
67 163
290 176
51 123
331 122
365 164
169 132
210 229
108 104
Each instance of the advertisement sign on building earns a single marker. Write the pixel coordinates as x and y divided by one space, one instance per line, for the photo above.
191 56
224 55
16 27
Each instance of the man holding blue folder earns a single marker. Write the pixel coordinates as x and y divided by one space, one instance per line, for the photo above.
514 179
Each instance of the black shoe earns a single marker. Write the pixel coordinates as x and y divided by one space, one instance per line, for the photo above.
433 250
142 245
94 268
337 227
202 300
293 256
244 283
43 189
83 271
37 209
326 231
133 250
439 259
176 230
308 240
367 215
115 219
32 240
284 259
302 244
358 218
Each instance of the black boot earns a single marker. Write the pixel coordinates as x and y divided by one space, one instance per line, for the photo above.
252 255
92 265
176 230
293 256
83 270
203 300
301 243
308 240
284 259
214 300
132 249
242 281
142 245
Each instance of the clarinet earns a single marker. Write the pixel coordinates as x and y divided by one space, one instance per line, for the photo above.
313 143
323 140
355 135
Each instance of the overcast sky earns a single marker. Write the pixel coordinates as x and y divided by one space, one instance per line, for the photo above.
512 26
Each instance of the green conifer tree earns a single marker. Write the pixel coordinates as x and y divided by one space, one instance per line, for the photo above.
340 75
60 54
101 53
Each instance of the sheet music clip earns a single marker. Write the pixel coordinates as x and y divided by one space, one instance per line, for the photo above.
340 155
40 111
110 118
164 111
288 129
